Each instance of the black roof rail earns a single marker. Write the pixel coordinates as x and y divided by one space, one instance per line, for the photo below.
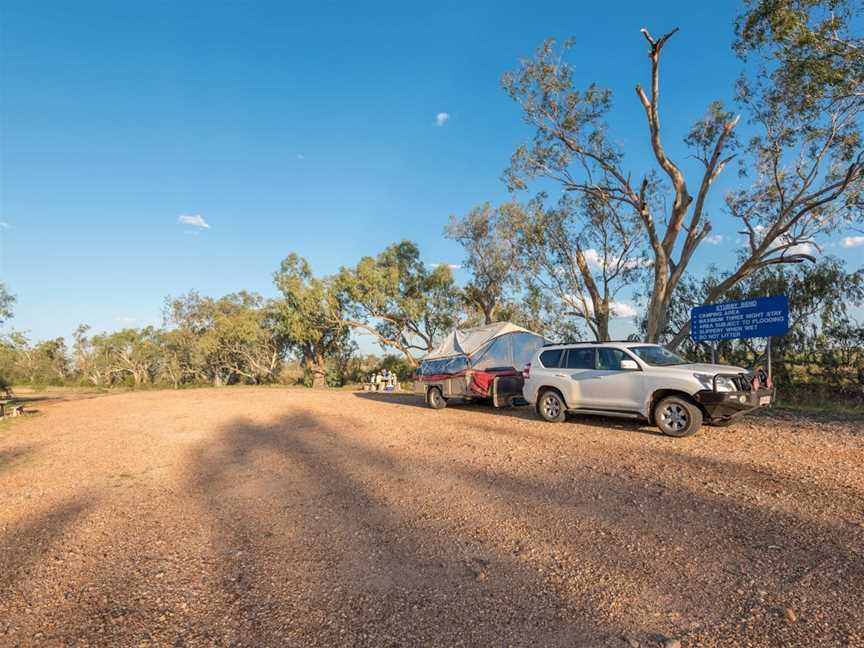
593 342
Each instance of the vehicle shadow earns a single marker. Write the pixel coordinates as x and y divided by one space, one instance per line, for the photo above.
524 412
392 398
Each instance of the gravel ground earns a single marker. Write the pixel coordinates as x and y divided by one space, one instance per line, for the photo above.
276 517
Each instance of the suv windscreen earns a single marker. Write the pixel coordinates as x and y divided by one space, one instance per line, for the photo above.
580 359
551 359
658 356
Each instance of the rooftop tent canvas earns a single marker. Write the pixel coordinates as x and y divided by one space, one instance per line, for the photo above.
484 362
469 341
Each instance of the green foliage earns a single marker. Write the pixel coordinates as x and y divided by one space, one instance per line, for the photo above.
397 299
801 171
40 363
574 260
569 123
236 338
7 301
310 317
491 258
812 57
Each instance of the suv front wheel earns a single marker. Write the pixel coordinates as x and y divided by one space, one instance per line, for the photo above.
677 417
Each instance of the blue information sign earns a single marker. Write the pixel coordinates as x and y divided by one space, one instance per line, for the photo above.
759 317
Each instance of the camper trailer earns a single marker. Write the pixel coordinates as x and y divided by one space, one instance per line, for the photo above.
485 362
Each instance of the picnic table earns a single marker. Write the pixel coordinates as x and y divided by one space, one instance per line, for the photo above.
380 386
10 408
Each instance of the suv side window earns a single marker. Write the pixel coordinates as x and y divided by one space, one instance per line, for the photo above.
610 359
551 359
580 359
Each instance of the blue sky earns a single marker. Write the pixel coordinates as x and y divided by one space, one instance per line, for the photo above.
307 127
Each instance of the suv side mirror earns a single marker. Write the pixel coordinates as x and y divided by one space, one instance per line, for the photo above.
629 365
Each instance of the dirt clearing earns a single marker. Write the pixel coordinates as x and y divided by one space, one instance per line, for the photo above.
271 517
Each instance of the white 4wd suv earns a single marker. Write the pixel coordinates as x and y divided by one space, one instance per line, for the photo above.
645 381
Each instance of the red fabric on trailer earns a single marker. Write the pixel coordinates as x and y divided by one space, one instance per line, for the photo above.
481 381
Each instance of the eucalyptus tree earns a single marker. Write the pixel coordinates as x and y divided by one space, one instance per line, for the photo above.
491 257
37 363
397 299
310 316
581 253
805 161
7 301
801 169
235 338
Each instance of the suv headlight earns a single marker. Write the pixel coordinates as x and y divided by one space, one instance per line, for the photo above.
725 384
707 380
720 383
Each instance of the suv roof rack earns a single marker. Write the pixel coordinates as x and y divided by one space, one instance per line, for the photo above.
594 342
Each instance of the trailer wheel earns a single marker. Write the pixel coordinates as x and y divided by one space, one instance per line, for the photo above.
435 399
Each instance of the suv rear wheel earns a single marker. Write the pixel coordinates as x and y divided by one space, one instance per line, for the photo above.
677 417
435 398
551 406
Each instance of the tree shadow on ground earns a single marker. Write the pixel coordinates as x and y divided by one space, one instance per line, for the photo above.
14 455
364 558
27 542
329 539
318 531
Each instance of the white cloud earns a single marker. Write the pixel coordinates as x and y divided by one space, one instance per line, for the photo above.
802 248
714 239
441 118
125 319
852 241
595 260
452 266
195 220
5 225
622 309
619 309
300 156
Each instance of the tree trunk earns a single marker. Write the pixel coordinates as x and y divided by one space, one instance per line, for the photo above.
319 378
656 306
488 313
315 364
601 320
